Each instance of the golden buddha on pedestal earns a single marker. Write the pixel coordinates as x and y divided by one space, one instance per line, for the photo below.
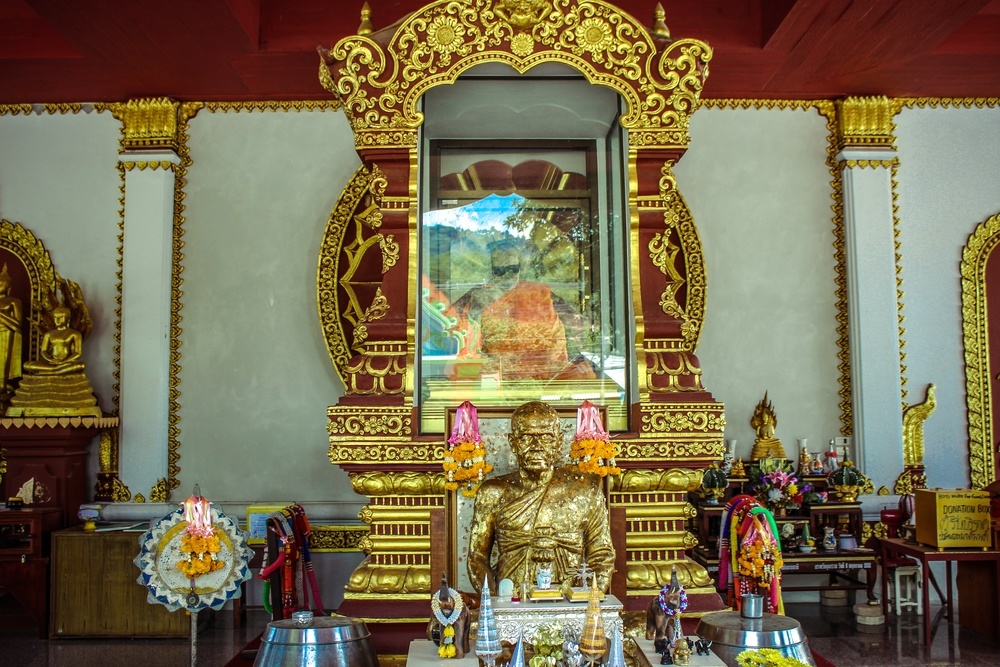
764 421
55 383
540 515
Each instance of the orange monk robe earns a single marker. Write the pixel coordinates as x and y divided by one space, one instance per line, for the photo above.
522 333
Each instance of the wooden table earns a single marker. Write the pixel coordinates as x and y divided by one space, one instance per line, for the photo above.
842 568
925 556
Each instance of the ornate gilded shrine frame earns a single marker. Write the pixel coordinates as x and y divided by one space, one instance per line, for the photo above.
980 314
368 284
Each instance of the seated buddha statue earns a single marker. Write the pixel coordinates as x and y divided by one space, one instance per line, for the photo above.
763 422
539 515
55 383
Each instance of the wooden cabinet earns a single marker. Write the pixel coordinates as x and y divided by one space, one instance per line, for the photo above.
94 589
24 562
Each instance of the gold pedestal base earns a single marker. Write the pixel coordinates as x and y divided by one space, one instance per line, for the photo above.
54 396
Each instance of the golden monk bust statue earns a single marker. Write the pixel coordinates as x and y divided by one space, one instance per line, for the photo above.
764 422
539 515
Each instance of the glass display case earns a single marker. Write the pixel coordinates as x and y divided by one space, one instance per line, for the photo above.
518 293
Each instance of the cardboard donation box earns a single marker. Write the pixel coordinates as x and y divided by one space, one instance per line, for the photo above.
953 518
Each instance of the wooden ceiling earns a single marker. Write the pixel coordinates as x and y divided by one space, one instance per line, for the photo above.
214 50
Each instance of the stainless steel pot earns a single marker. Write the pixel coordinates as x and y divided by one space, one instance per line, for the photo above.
731 634
327 641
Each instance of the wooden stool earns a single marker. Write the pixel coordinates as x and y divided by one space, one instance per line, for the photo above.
908 577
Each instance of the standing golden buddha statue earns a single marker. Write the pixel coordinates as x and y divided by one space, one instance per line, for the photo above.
11 318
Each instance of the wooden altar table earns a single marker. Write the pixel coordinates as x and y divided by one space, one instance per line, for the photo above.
926 555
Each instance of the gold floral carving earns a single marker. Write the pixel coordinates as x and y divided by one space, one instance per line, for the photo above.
41 274
651 576
150 123
380 87
674 479
677 419
336 538
351 233
379 483
913 428
975 327
370 421
160 493
375 581
866 121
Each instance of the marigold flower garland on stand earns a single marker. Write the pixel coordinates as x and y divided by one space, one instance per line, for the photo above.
465 463
199 541
592 450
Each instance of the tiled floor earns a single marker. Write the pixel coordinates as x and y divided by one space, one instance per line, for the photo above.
831 631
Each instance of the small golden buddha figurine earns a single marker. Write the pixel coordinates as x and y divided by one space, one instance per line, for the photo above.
539 514
764 422
55 383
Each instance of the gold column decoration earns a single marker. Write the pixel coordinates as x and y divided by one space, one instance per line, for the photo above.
109 488
979 376
656 516
399 540
866 121
914 416
155 123
148 123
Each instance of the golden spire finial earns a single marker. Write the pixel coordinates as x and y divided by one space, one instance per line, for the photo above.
366 27
660 28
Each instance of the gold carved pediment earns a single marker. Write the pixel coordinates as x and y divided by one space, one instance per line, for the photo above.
380 85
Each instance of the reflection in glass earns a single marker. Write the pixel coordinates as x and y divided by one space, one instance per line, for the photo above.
512 309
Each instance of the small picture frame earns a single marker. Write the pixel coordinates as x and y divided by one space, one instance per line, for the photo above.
257 521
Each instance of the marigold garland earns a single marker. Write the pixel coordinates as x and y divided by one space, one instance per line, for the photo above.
766 657
596 457
592 450
201 555
465 463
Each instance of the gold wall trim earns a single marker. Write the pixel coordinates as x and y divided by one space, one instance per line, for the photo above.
58 422
868 164
898 258
950 102
829 111
274 105
975 328
15 109
731 103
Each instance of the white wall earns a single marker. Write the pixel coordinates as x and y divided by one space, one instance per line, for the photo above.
758 187
949 161
256 378
255 375
58 178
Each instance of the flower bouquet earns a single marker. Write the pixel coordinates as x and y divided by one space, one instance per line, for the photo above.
592 450
464 454
775 485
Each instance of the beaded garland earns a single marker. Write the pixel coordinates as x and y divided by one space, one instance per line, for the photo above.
667 609
447 621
